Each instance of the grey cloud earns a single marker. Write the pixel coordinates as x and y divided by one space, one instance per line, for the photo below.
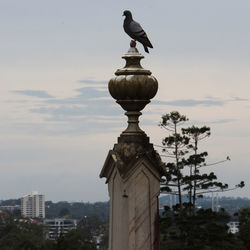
93 110
51 127
82 113
190 103
209 101
220 121
84 96
34 93
239 99
89 104
62 110
92 82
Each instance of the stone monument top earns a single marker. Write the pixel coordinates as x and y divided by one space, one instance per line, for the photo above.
133 169
132 87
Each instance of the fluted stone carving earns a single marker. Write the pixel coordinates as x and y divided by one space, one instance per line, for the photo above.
133 87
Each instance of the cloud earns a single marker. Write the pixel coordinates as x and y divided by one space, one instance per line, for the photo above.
208 101
93 105
190 103
85 111
73 110
87 81
84 96
239 99
220 121
82 113
34 93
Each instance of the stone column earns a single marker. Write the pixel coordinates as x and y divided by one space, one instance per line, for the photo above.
133 168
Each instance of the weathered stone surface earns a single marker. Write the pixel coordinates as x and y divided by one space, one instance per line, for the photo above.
124 156
134 207
133 172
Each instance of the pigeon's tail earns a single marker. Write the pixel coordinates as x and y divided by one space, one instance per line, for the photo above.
146 43
146 48
150 44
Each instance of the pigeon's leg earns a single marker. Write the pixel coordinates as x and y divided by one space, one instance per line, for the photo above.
133 43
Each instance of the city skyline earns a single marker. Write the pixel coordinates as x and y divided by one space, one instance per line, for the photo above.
58 120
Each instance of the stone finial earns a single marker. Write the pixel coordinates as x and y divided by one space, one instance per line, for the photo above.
133 87
133 169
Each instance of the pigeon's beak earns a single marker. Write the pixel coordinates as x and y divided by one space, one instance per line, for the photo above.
123 14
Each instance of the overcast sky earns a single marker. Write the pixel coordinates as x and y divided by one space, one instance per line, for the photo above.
58 120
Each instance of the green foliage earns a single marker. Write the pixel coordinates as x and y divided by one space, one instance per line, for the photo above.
75 240
199 183
185 227
11 202
78 209
21 234
204 230
173 118
63 212
230 204
16 233
174 146
105 241
244 229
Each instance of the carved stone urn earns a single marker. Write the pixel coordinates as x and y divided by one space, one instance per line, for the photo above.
133 87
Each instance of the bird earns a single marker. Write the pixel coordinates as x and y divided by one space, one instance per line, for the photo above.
135 31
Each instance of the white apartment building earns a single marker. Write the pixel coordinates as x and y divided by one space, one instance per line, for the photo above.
33 206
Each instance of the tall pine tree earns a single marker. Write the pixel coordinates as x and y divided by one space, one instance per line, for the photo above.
186 169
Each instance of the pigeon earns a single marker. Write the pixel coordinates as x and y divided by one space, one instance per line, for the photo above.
135 31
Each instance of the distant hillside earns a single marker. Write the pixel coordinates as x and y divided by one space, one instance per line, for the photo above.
10 202
230 204
79 210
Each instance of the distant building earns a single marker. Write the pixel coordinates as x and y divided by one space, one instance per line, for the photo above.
233 227
33 206
59 226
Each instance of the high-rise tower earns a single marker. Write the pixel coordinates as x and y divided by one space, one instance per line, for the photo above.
33 206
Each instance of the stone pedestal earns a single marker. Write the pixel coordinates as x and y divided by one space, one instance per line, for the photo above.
133 168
